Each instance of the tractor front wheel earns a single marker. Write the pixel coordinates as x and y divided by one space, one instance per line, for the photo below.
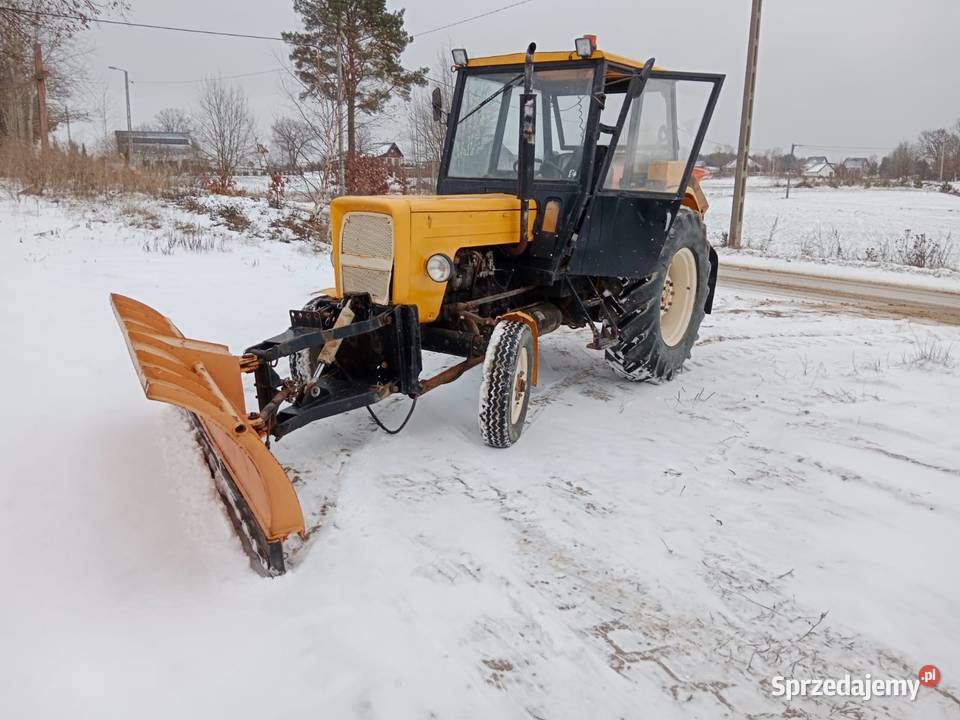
505 390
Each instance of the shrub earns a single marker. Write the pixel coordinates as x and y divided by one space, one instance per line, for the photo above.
313 230
917 250
878 254
233 217
365 175
277 190
192 204
222 185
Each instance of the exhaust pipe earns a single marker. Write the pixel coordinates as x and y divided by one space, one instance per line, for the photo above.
526 155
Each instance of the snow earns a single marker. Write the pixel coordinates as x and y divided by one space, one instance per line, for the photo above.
814 220
907 278
644 550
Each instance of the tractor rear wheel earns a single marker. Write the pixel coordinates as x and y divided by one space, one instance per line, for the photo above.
505 390
658 317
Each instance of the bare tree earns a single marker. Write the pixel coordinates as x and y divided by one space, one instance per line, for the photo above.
224 126
902 162
291 137
935 146
426 135
318 156
174 120
21 26
60 18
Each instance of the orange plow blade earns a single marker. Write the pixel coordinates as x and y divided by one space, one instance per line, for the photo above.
204 379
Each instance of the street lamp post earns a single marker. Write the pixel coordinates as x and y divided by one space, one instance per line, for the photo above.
126 87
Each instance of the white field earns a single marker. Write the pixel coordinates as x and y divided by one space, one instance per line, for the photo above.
788 506
815 220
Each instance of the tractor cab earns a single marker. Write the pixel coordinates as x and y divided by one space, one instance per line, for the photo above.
620 132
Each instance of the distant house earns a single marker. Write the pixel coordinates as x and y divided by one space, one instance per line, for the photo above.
855 167
819 170
390 153
752 166
815 161
155 148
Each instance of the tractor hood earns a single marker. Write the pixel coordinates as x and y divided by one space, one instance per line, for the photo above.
381 243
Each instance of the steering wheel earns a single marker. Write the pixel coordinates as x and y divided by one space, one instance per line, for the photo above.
540 166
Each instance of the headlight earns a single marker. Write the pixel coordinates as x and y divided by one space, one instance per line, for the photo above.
585 45
439 267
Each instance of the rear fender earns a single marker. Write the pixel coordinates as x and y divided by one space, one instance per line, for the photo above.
712 280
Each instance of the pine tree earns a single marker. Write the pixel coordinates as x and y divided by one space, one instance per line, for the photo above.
370 39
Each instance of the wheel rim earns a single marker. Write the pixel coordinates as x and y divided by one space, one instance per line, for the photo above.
678 296
518 390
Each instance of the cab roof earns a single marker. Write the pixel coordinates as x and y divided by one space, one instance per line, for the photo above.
550 56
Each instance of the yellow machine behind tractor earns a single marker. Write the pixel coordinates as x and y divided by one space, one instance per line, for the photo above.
567 195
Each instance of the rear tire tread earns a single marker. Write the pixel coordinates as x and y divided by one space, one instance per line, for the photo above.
641 353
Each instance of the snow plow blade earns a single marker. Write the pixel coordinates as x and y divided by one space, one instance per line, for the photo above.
205 379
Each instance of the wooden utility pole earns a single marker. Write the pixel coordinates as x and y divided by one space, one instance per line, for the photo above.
793 164
41 78
746 121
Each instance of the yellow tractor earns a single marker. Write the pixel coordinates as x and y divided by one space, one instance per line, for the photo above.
567 195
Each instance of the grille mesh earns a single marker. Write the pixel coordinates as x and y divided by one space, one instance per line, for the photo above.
375 282
368 235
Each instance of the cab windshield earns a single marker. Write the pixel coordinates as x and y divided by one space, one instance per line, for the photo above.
486 135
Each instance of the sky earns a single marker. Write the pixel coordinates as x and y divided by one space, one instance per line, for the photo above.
851 76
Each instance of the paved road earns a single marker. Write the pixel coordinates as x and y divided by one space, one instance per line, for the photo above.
903 300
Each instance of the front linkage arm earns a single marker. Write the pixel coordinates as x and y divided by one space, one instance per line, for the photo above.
334 393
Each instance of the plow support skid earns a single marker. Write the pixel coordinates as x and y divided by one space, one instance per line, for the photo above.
205 379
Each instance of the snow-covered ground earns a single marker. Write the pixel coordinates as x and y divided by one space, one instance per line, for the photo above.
788 506
815 221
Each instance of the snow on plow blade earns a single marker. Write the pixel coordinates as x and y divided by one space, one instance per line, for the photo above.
204 379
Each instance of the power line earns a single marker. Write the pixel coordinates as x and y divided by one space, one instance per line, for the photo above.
470 19
439 81
103 21
250 36
843 147
197 80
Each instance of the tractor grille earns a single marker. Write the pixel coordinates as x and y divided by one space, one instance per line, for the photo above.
366 254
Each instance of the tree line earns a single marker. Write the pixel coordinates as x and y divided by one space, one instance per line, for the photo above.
934 155
346 71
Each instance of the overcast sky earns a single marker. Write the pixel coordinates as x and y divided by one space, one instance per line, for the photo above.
854 73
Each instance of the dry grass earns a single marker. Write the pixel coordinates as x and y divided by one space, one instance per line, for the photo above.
929 352
56 171
192 238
